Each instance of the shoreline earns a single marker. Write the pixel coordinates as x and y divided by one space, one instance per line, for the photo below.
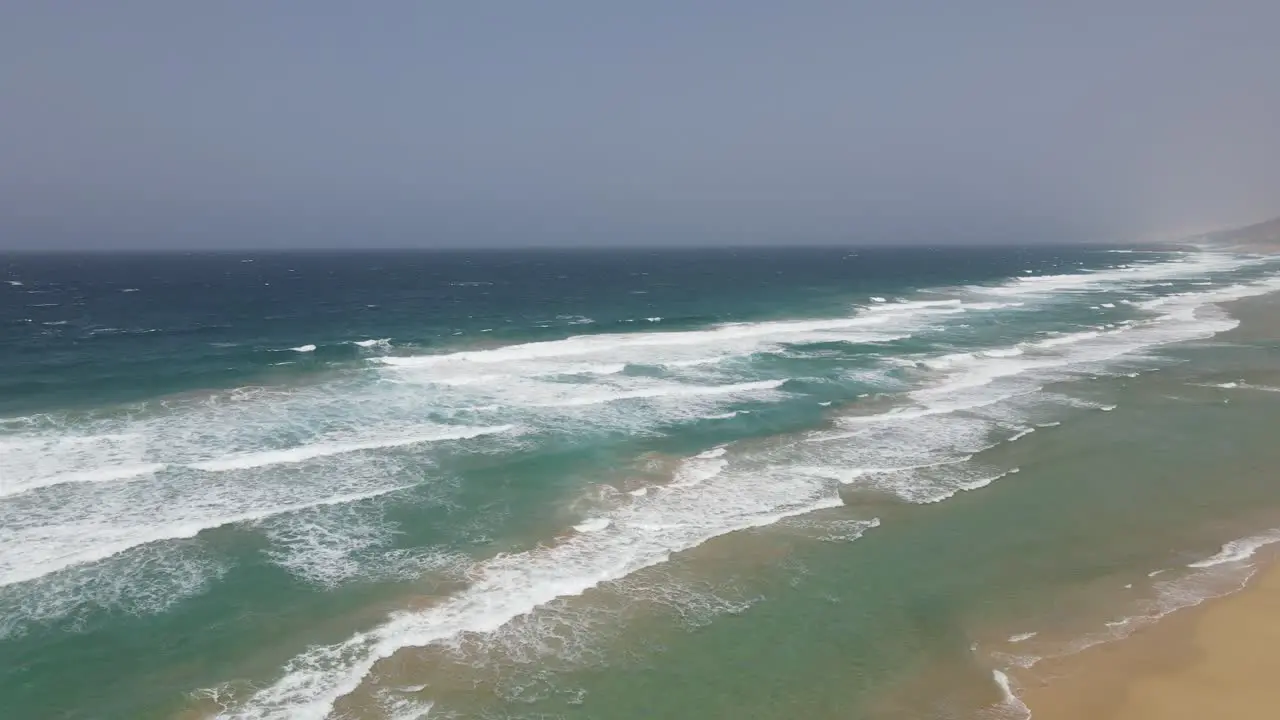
1215 659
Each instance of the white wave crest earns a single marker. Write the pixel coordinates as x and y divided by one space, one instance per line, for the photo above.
324 449
1190 266
383 343
592 525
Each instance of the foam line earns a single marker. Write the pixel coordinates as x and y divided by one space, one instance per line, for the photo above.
1191 266
308 452
668 391
879 323
107 474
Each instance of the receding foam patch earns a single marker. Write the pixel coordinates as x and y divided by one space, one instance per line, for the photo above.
149 580
333 545
83 523
325 545
827 529
1009 701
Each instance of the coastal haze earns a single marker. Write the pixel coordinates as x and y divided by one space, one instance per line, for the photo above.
241 125
681 361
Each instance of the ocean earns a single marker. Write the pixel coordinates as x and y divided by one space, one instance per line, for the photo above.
720 483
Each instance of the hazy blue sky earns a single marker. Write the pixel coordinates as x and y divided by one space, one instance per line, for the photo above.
323 123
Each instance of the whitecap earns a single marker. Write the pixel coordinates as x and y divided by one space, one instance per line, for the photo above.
593 525
384 343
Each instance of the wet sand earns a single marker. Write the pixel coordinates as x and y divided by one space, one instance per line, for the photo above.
1217 660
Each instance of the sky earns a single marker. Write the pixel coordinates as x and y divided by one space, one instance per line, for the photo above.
317 123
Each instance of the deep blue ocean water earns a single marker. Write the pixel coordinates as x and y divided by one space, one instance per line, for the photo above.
81 329
229 469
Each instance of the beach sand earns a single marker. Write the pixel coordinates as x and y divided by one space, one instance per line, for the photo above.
1218 660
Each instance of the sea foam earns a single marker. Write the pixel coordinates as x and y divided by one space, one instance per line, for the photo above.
339 447
641 534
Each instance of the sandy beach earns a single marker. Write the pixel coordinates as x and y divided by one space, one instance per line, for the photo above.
1216 660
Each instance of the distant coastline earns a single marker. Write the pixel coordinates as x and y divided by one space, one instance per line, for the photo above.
1263 237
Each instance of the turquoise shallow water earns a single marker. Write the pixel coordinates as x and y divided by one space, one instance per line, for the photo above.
687 484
